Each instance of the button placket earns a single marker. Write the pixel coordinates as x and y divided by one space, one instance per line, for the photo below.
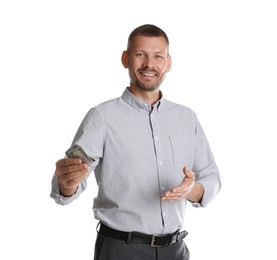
160 163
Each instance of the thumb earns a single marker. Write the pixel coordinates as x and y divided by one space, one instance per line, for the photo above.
187 172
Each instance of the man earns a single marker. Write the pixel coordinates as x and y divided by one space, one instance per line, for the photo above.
150 156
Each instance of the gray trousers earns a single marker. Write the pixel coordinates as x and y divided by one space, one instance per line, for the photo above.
113 249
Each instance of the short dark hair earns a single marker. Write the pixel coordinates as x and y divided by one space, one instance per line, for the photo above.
148 30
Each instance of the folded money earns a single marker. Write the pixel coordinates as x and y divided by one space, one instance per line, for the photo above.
76 151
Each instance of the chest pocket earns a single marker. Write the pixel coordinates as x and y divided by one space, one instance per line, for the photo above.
182 150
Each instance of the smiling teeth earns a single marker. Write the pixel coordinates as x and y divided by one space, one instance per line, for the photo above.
149 74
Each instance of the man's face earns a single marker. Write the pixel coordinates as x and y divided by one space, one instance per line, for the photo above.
148 62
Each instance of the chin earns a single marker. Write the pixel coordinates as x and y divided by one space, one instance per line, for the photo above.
147 87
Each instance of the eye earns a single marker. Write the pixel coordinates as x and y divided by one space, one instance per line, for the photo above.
159 56
139 54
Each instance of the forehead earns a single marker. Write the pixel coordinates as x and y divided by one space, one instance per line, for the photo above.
145 43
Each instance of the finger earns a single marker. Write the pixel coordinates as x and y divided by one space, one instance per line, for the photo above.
169 195
73 175
61 170
181 188
68 161
72 183
171 198
73 168
188 173
187 181
71 172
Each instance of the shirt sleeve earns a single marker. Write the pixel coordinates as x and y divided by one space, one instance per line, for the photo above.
90 136
60 199
205 168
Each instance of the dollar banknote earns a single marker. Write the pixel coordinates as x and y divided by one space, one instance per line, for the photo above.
76 151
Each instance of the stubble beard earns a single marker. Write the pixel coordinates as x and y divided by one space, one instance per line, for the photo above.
148 88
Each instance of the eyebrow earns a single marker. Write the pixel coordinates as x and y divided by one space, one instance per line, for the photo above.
156 52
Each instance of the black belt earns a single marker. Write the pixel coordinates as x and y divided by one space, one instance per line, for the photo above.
140 238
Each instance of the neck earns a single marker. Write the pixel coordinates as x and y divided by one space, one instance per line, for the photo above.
150 97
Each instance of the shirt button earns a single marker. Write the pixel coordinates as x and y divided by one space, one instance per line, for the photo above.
156 137
160 162
163 188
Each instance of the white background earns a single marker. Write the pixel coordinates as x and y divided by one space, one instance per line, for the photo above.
60 58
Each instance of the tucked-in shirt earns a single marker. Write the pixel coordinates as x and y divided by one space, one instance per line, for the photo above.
140 151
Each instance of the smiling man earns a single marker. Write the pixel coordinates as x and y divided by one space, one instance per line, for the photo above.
150 157
148 61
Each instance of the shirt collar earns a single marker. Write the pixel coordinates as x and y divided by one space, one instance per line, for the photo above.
140 104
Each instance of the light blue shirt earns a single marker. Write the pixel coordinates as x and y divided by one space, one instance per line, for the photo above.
140 151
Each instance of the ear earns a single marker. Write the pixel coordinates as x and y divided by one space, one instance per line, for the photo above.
124 59
169 63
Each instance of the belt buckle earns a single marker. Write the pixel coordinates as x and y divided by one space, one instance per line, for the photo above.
153 242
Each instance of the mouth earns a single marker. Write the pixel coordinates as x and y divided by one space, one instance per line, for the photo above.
148 74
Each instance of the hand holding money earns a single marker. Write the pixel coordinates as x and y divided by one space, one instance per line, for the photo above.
70 172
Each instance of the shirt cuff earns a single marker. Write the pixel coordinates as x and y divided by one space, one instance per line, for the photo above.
60 199
196 204
210 191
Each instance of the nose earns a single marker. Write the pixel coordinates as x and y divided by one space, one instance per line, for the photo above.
149 62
